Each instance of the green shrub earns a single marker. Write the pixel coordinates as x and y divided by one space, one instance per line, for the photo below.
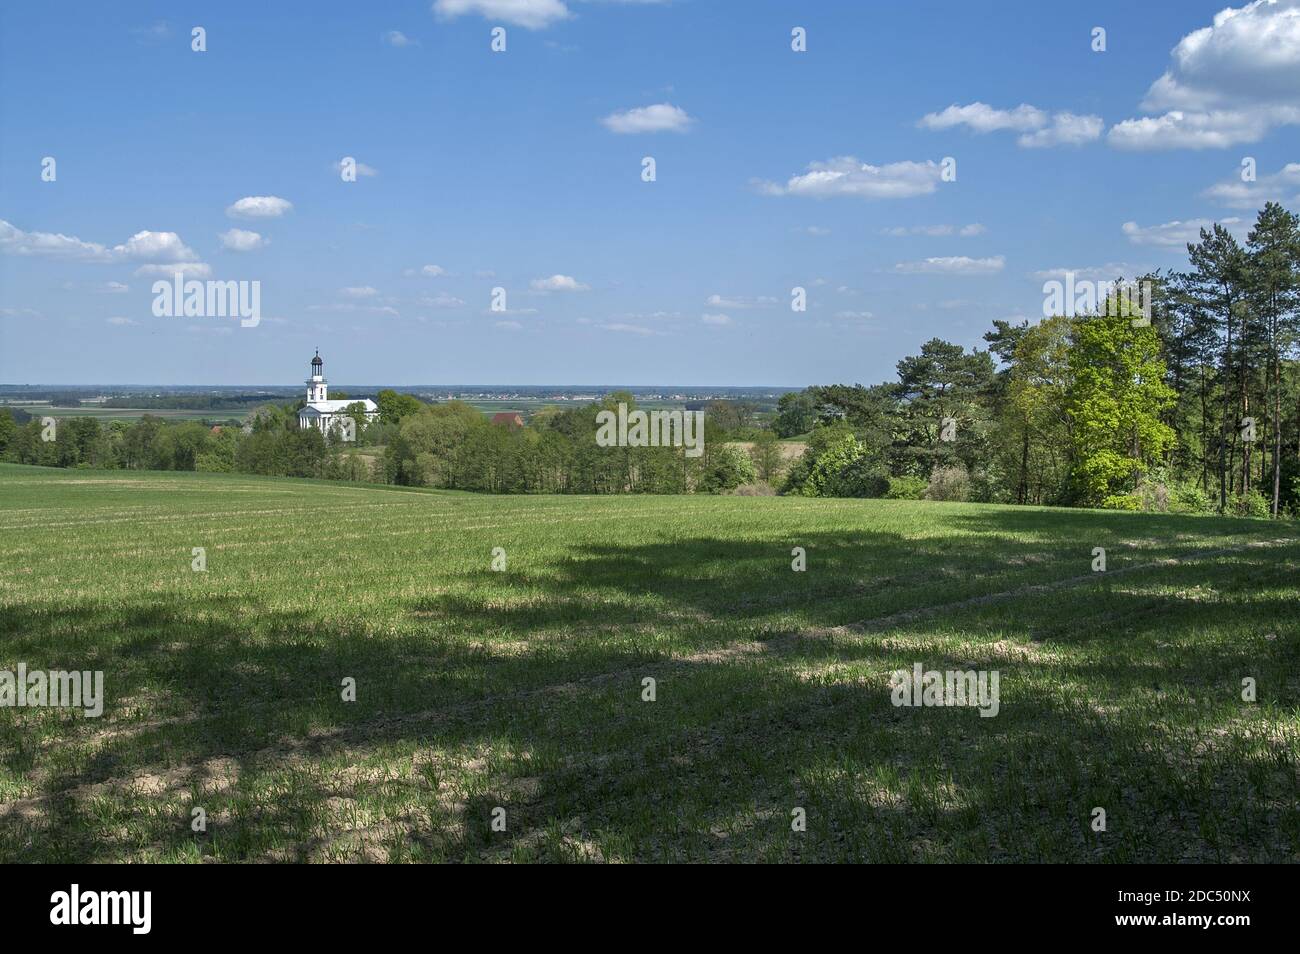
949 483
1122 502
727 469
841 468
1252 504
906 488
1188 497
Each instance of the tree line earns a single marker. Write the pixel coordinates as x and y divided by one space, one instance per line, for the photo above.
1191 404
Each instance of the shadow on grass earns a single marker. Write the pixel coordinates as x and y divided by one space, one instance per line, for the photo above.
251 722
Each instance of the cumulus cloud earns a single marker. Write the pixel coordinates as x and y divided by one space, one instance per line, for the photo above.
149 246
120 321
558 283
1038 127
1066 129
359 291
1227 83
953 265
15 241
242 240
662 117
848 176
1282 186
197 270
983 118
399 39
715 318
1183 130
1176 234
259 207
529 14
143 246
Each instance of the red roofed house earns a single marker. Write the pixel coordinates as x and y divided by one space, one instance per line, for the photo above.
508 418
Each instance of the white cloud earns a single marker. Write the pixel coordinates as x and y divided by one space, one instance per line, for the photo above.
966 231
149 246
399 39
715 319
242 240
529 14
847 176
662 117
853 315
259 207
953 265
113 288
1067 129
358 291
442 301
760 301
1037 126
1176 234
983 118
1282 186
1183 130
143 246
118 320
14 241
557 283
433 271
195 270
814 230
624 328
1227 83
508 325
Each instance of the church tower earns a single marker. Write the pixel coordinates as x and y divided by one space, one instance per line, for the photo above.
316 383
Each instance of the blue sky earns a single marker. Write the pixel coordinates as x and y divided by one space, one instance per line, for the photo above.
522 170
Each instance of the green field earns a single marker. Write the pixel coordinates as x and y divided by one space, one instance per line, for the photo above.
522 689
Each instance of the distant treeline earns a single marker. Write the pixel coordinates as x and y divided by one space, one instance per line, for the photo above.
1190 403
188 402
450 445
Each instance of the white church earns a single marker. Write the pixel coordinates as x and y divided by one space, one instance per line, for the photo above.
322 413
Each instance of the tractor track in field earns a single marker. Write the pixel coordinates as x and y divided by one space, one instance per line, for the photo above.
328 742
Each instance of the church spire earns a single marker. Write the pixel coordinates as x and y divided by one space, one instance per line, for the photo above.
316 389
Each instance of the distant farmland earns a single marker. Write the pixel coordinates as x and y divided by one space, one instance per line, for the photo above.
520 696
127 413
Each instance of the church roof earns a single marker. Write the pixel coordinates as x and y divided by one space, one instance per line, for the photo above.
334 407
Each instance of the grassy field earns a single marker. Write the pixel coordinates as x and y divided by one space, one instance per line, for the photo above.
103 414
523 689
